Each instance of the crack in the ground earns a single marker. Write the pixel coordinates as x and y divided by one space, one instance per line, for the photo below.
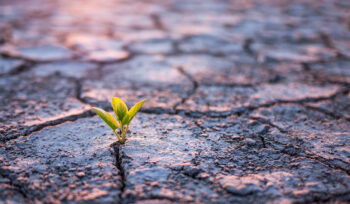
190 92
331 163
175 111
246 109
343 91
269 123
158 198
19 57
334 164
78 90
178 13
322 79
327 41
326 112
119 164
263 141
25 66
38 127
328 162
311 156
192 114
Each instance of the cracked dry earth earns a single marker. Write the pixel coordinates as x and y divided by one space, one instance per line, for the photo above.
248 101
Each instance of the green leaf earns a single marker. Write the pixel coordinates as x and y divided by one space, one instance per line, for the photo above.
125 119
135 109
122 110
107 117
115 102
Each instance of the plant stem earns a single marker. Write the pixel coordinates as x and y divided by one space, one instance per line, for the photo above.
124 132
118 137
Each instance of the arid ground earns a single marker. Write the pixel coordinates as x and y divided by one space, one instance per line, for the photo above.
248 101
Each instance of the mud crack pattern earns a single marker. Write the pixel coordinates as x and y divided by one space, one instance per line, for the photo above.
247 101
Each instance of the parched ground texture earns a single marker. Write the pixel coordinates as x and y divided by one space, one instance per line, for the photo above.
248 101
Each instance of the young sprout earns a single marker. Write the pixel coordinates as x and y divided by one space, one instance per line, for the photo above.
124 117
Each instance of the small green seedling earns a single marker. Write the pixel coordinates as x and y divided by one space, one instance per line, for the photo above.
124 117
